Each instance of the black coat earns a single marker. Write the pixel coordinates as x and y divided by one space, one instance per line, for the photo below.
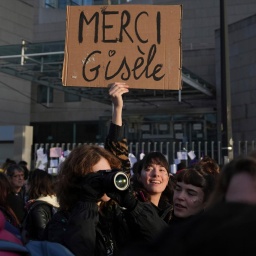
86 231
38 215
226 229
17 204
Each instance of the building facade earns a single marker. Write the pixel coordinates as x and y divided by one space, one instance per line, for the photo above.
59 116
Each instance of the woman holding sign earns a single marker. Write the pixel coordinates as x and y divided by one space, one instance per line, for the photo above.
89 222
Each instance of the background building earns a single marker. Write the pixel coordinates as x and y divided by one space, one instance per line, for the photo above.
32 96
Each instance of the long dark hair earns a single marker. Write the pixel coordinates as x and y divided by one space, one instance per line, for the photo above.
5 190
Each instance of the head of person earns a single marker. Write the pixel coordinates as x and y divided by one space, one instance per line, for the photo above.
152 177
193 187
16 176
24 165
82 160
237 182
5 189
7 163
40 183
208 164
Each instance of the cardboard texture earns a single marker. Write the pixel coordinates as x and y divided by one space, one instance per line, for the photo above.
136 44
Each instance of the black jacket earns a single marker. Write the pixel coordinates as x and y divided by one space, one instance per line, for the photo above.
86 231
38 215
17 204
226 229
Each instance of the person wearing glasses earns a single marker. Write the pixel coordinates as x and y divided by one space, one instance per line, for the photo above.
16 199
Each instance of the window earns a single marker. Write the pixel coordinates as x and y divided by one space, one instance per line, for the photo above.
61 4
44 94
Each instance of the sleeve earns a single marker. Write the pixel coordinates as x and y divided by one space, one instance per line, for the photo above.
40 216
118 146
145 221
80 234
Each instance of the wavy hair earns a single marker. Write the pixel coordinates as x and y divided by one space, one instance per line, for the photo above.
79 163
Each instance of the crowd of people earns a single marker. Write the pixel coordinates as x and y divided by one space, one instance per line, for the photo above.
201 209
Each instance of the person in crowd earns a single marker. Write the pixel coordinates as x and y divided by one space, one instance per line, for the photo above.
12 222
95 224
17 197
42 204
24 165
193 189
230 219
152 183
9 237
236 182
208 163
228 224
7 162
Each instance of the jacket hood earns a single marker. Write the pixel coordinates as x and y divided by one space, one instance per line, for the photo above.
50 200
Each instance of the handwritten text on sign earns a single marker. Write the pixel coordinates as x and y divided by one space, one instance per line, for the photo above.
134 43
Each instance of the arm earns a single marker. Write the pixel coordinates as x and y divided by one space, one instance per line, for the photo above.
40 216
115 142
116 91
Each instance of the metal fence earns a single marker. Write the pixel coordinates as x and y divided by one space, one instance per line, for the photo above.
213 149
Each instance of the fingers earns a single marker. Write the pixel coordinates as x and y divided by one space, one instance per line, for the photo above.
118 88
120 84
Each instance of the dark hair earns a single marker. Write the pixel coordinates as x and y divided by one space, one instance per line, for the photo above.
79 162
7 163
200 177
12 168
208 164
40 183
24 164
137 166
149 159
5 188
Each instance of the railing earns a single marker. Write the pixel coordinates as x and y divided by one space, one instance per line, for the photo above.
169 149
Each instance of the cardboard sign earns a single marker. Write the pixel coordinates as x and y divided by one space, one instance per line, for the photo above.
136 44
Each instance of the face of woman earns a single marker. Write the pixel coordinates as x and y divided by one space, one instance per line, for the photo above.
154 178
103 164
242 188
188 200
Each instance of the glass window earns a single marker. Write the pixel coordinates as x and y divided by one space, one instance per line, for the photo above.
51 3
63 3
44 94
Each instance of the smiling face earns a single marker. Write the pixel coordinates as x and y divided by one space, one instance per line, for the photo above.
154 179
188 200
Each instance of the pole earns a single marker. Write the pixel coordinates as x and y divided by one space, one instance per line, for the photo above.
227 140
